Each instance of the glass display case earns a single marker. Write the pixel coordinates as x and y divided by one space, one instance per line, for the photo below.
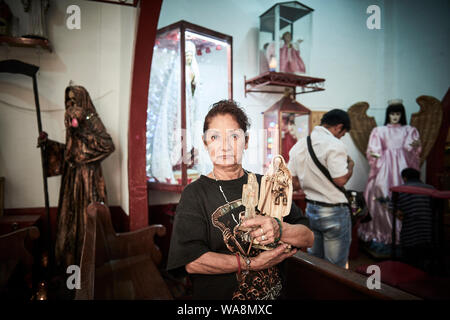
285 38
191 69
285 123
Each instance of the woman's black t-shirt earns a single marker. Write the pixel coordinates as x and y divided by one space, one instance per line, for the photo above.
204 222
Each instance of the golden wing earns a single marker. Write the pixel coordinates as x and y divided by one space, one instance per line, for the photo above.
361 125
428 122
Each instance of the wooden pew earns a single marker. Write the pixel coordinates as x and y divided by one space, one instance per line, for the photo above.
309 277
14 256
119 265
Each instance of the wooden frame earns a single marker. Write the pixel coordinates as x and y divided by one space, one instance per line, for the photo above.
131 3
283 79
314 119
309 277
26 42
137 178
2 195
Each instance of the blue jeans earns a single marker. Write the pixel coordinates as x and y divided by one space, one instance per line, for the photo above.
332 227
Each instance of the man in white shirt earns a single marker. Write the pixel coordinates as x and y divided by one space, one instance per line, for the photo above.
327 207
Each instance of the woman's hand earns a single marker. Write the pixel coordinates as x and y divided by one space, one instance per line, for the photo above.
270 258
265 229
296 235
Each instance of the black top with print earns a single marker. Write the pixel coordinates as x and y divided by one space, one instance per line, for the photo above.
204 222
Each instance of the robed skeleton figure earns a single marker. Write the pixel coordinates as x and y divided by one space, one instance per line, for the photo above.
275 197
87 144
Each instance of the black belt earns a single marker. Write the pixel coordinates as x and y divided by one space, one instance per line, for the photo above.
324 204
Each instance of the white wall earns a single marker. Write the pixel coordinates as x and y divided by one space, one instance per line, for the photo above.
406 58
98 57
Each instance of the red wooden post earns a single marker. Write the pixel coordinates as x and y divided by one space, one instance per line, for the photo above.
137 177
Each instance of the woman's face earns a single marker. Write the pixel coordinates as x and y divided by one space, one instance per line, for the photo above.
225 141
394 117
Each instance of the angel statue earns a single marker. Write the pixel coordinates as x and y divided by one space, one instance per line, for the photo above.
390 149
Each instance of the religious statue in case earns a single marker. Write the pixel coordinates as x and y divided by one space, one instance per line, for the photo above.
283 29
285 123
191 69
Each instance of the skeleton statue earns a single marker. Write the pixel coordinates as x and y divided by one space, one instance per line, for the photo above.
276 190
250 196
275 198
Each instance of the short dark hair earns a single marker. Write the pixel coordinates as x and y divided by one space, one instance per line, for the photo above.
230 107
398 107
410 174
335 117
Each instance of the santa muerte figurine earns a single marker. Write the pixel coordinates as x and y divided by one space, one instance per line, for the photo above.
275 197
87 144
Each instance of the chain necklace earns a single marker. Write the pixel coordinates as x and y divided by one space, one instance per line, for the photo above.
223 193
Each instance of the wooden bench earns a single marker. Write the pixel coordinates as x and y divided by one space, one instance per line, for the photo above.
17 260
119 265
308 277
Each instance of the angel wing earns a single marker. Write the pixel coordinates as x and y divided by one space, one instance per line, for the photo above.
361 125
428 122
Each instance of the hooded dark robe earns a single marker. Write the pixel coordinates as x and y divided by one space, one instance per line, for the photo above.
87 144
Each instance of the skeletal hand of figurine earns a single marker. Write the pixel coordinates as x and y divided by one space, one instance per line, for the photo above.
265 229
270 258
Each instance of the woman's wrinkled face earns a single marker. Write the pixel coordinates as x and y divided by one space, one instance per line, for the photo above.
394 117
225 140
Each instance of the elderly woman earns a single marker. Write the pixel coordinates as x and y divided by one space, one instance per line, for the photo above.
205 241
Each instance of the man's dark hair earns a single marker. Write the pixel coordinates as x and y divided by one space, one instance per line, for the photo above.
230 107
410 174
396 108
335 117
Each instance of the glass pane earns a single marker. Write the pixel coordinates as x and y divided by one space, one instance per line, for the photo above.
164 109
294 127
285 39
206 82
272 137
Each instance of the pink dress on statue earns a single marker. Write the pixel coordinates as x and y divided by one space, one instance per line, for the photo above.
393 143
290 60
